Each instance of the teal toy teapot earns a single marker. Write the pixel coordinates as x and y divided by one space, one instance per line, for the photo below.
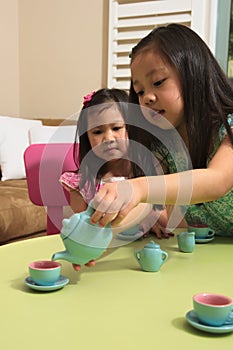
84 241
151 257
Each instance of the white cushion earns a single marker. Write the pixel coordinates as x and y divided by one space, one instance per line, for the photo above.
52 134
14 139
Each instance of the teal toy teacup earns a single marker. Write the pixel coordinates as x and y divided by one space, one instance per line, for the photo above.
202 231
213 309
44 272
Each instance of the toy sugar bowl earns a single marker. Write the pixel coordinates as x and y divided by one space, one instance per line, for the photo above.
151 257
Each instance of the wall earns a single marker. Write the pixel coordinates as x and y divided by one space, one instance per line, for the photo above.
52 52
9 58
55 54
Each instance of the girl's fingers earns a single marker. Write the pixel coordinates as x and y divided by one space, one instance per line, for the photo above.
161 231
112 215
104 213
106 219
76 267
97 217
111 201
90 263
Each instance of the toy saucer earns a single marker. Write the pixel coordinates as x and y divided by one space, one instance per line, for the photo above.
193 320
204 240
62 281
129 237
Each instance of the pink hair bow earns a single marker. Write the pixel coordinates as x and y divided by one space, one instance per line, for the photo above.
87 99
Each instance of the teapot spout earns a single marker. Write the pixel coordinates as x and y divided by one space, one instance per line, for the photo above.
61 256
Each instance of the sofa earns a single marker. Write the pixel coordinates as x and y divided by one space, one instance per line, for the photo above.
19 217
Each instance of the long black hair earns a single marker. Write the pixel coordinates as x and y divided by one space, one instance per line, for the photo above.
207 92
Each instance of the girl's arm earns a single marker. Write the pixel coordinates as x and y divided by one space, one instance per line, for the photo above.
77 203
70 181
115 200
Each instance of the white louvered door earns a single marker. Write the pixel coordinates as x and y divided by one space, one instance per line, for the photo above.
129 21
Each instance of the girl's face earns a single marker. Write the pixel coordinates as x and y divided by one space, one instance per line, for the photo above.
158 88
107 132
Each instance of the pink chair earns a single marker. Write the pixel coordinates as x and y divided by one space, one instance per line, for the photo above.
44 164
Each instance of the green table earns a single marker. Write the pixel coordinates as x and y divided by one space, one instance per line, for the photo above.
114 305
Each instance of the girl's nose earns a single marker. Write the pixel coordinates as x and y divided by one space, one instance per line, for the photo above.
149 98
108 136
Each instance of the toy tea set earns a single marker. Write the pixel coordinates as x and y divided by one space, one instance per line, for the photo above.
85 242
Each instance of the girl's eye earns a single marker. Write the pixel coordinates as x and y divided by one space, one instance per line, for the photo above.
139 93
159 82
96 132
117 128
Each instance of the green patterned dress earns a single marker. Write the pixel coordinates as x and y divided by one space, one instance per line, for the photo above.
217 214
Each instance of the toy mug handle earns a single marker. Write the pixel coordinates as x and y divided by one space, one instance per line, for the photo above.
164 256
211 232
230 318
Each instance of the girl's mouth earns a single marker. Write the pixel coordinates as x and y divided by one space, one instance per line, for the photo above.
110 149
157 114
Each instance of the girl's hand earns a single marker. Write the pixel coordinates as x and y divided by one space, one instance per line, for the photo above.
161 231
156 222
114 201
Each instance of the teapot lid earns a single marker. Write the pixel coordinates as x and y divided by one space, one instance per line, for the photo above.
152 245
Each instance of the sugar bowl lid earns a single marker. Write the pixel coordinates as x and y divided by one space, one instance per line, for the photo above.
152 245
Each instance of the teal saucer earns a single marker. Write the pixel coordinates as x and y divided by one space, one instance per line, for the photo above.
125 236
194 321
57 285
204 240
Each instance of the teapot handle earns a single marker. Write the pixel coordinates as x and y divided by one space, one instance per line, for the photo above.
164 256
90 209
137 255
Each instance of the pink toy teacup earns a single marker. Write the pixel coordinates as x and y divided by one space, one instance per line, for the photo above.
213 309
44 272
